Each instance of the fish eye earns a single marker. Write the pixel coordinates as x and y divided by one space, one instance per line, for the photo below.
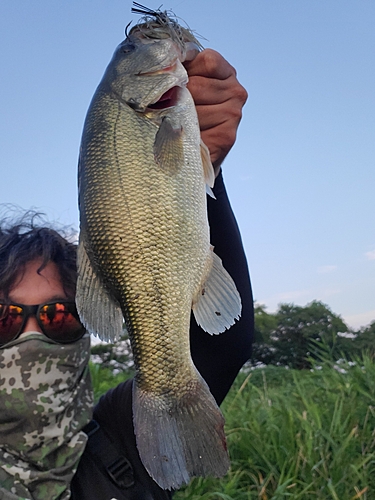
128 47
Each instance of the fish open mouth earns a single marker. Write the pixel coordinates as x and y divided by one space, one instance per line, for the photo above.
167 100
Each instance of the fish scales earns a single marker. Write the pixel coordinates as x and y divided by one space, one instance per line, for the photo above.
148 251
145 252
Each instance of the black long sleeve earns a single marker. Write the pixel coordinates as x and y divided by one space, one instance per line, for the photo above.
220 357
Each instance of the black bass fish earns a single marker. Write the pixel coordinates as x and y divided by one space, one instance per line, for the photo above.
144 251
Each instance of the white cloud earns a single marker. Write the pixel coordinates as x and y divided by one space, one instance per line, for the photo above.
326 269
358 320
370 255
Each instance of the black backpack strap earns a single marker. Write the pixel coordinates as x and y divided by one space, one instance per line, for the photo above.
104 451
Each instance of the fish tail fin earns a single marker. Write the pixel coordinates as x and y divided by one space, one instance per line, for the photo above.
180 437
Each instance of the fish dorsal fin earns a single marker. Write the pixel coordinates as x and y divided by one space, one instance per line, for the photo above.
208 169
219 303
99 312
168 147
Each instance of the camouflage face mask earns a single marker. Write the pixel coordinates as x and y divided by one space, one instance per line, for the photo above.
45 401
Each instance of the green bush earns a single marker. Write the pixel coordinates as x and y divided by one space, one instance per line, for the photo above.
104 379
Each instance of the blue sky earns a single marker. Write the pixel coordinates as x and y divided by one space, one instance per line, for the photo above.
301 176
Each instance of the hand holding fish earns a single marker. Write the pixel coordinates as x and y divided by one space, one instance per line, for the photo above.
219 99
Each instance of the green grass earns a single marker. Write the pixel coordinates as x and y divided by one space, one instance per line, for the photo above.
103 379
298 435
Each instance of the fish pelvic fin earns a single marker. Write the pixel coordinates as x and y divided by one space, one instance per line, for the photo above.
100 314
208 169
218 304
180 437
168 147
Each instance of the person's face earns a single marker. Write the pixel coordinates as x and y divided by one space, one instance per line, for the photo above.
34 288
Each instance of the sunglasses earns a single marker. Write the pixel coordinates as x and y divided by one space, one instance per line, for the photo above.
59 321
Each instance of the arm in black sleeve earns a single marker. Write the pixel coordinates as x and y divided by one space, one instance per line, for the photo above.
220 357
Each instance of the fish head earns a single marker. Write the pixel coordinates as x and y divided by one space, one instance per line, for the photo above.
148 63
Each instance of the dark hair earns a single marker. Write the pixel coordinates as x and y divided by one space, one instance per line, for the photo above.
28 238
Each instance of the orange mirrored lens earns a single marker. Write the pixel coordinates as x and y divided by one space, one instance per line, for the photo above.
60 321
10 322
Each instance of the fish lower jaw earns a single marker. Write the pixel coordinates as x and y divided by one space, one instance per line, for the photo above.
167 100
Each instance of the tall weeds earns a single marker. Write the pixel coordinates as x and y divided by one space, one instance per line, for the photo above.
298 435
293 434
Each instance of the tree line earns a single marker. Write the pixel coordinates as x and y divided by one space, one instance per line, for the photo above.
294 335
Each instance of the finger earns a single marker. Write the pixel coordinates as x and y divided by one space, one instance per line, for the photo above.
211 115
216 114
210 91
211 64
219 141
192 50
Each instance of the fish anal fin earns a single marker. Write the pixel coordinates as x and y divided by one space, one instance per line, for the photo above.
218 304
182 437
168 147
99 312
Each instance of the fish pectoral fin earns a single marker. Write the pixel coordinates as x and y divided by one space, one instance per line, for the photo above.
99 312
208 169
180 437
168 147
210 192
219 304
